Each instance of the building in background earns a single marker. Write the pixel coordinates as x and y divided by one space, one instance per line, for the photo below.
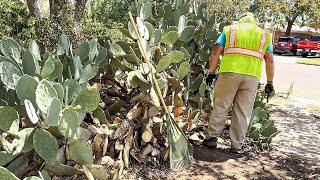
296 31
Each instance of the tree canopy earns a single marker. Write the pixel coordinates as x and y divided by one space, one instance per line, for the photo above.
288 12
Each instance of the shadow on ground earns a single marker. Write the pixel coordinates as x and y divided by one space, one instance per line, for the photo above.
221 164
295 155
300 130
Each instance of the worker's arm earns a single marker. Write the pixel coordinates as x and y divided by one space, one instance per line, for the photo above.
269 66
268 89
218 49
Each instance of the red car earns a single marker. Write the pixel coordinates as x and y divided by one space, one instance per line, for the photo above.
288 45
310 47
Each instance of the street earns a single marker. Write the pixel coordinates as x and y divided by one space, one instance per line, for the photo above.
304 77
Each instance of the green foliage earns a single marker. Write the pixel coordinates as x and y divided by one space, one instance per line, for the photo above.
5 174
16 21
287 13
10 74
261 128
53 112
100 115
25 142
47 104
68 122
45 92
84 96
81 152
10 48
45 145
9 119
26 86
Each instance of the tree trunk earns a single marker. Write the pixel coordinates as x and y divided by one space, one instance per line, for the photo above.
78 14
289 27
65 17
33 6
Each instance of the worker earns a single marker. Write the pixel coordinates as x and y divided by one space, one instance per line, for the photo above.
244 47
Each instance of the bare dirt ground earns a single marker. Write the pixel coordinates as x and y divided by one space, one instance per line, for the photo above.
295 153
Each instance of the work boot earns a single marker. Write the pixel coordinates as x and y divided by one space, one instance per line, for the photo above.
237 151
211 142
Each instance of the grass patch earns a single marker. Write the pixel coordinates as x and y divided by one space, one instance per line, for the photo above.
314 61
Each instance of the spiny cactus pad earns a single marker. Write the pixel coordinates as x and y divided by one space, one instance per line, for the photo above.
81 152
68 122
71 90
60 91
47 68
26 88
45 145
45 92
53 112
9 74
9 119
24 143
30 64
83 98
6 174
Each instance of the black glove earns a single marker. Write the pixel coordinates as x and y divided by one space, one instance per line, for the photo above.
268 89
211 78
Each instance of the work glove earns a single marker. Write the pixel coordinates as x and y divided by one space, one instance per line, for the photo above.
211 78
268 89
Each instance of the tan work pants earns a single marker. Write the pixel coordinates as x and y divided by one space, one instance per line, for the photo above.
239 90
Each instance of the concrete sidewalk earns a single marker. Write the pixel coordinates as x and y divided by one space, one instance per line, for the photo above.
305 78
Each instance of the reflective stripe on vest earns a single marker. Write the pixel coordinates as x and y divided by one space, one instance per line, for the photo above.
247 52
263 41
232 37
238 50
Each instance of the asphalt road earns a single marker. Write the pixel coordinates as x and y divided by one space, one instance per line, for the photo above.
305 78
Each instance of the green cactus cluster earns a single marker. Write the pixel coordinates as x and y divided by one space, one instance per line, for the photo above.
54 93
261 128
178 40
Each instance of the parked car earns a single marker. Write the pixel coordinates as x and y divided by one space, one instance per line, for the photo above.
312 47
288 45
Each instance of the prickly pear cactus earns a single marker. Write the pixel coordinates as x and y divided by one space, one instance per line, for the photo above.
45 92
71 90
261 128
9 119
81 152
9 74
60 91
45 145
83 98
31 112
30 64
68 122
54 112
6 174
10 48
26 88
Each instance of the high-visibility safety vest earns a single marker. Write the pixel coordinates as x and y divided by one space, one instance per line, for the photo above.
244 50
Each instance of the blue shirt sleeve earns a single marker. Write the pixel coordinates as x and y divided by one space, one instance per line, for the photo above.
270 47
222 39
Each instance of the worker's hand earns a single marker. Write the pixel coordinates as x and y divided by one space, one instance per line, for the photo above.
269 88
211 78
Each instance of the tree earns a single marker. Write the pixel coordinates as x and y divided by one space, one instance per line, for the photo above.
286 12
16 21
228 10
64 16
313 19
